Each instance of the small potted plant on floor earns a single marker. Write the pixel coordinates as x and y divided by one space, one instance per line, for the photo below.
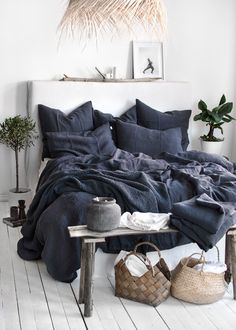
18 133
214 118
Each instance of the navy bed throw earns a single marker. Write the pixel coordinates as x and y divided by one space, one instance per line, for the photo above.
203 220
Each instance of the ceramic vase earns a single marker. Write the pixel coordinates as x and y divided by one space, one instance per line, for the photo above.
103 214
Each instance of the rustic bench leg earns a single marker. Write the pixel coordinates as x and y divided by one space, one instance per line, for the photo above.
228 272
82 272
233 262
88 285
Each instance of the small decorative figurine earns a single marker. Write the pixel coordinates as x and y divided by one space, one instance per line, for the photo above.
22 215
17 218
14 212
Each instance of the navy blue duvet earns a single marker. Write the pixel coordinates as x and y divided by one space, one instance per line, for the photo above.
137 182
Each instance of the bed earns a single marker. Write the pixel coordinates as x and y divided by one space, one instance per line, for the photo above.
124 162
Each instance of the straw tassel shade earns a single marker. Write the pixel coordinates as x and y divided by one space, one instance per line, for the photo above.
92 17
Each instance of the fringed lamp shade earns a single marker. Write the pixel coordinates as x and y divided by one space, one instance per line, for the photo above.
92 17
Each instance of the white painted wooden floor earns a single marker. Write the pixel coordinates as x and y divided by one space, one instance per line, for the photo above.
30 299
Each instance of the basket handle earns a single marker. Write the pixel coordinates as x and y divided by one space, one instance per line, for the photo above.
218 253
141 257
148 243
201 258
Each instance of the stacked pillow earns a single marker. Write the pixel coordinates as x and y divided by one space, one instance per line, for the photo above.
153 142
143 129
54 120
74 133
98 143
148 117
88 131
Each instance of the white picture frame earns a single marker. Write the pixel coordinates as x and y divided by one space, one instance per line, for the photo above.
148 60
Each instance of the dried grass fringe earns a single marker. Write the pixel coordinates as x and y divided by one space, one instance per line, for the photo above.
92 17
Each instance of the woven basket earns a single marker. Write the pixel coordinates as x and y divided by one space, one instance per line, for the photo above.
195 286
151 288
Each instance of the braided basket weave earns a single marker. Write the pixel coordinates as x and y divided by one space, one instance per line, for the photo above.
195 286
151 288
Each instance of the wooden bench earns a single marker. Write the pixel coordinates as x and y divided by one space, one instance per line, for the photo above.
90 238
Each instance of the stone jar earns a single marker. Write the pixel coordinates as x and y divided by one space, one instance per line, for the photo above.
103 214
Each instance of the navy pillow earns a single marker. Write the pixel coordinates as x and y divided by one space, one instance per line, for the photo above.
100 118
98 143
54 120
130 115
151 118
135 138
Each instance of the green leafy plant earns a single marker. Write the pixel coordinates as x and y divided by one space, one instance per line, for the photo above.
17 133
214 118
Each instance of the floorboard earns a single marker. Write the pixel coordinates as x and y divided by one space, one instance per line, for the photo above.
24 297
55 302
10 313
143 316
39 303
30 299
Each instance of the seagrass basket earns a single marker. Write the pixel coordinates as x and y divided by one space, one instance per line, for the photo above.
196 286
151 288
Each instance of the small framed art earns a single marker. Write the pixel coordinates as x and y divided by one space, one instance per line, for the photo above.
148 60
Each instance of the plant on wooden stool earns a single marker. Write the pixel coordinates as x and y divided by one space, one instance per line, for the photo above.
17 133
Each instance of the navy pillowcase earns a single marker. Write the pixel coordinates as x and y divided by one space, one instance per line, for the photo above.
54 120
98 143
130 115
100 118
154 119
135 138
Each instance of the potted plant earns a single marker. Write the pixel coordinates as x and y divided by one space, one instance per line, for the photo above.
18 133
214 118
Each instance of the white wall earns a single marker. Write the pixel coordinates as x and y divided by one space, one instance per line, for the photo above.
200 48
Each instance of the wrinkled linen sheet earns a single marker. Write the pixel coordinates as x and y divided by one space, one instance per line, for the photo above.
137 182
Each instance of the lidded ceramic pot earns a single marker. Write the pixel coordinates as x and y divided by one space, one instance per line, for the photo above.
103 214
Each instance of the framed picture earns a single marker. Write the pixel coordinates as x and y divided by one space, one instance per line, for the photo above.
148 60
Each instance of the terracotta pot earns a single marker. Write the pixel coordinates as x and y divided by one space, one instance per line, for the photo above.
103 214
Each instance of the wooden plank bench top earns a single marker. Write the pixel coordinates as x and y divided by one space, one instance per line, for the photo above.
83 231
89 239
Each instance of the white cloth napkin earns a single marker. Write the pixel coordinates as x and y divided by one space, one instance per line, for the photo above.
145 221
212 267
135 266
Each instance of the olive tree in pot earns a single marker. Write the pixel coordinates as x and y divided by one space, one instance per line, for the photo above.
214 118
18 133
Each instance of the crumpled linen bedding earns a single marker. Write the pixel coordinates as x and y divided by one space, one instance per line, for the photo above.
137 182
